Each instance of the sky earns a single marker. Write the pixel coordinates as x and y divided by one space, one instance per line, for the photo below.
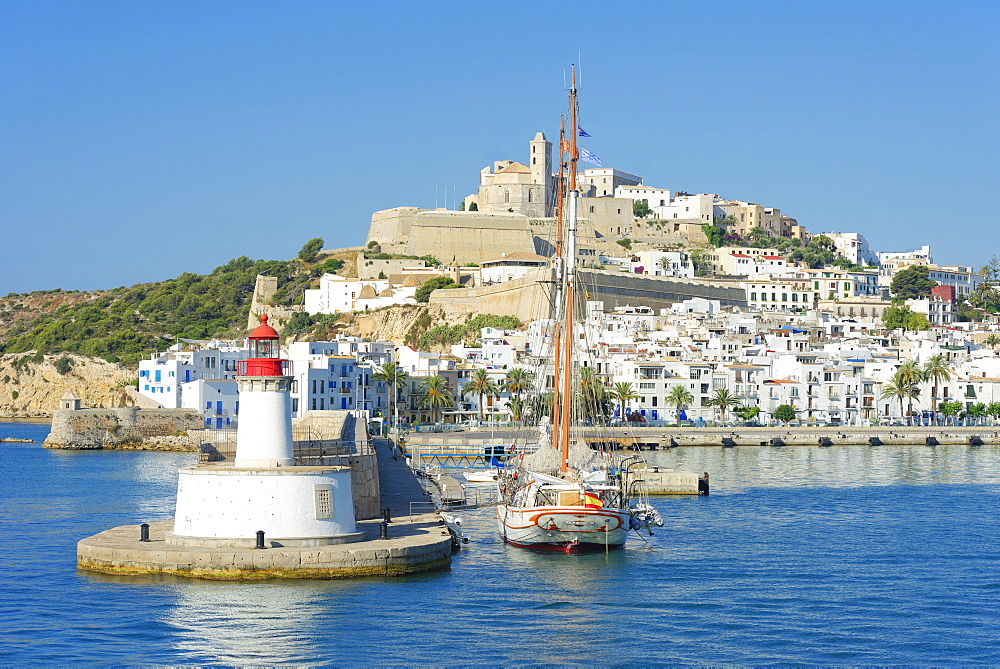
140 140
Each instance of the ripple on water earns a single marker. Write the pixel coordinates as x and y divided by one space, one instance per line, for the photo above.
800 556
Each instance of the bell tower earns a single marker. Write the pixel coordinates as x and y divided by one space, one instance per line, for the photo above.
540 162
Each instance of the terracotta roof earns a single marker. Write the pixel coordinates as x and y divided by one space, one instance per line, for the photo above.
515 168
412 281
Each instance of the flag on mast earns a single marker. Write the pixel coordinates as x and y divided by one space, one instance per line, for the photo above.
589 157
582 132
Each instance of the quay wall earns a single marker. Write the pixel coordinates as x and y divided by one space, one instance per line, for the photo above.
665 438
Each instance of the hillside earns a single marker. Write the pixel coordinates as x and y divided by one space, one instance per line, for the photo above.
125 324
31 385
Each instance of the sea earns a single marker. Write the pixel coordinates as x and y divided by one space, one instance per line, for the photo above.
852 555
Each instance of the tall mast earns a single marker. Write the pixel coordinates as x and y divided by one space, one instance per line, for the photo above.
557 324
569 261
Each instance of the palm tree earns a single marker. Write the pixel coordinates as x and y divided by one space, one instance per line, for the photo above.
539 407
680 397
723 400
435 395
517 408
909 375
993 409
992 341
591 392
899 390
393 375
935 370
482 385
756 234
519 380
623 393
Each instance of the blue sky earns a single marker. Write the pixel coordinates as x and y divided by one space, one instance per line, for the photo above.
140 140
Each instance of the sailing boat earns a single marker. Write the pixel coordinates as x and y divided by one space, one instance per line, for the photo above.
564 495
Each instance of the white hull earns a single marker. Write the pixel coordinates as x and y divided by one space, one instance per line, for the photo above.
564 527
481 477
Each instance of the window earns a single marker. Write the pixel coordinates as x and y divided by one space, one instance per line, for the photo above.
324 500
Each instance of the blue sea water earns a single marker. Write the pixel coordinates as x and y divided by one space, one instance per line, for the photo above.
804 555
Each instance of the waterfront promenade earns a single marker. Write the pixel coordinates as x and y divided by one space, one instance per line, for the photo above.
662 438
416 543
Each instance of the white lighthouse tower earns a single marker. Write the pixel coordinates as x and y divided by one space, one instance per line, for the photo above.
263 489
264 435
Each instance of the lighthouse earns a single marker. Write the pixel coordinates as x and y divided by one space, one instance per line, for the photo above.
263 489
264 433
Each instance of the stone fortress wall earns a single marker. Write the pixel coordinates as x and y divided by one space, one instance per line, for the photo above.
526 297
116 427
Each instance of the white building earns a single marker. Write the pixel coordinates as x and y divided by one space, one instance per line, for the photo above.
602 182
338 294
854 247
661 263
740 263
776 294
330 376
217 400
937 311
162 376
962 279
510 267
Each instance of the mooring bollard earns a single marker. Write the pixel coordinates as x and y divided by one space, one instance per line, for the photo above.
144 532
383 530
386 513
260 540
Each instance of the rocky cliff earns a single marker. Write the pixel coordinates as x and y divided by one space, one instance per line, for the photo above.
31 384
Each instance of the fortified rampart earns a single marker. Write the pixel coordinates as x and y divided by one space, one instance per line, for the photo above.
451 236
618 289
265 288
528 297
116 427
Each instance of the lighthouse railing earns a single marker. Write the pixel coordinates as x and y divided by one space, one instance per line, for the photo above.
312 446
263 367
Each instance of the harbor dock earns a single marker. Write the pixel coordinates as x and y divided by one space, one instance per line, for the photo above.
416 542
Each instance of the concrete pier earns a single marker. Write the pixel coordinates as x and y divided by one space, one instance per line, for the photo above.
416 543
414 546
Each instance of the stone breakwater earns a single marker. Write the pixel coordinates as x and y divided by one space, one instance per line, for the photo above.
414 546
123 427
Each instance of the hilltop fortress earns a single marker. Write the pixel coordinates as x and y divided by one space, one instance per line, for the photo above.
511 213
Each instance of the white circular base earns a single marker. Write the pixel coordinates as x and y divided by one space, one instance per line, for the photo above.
295 503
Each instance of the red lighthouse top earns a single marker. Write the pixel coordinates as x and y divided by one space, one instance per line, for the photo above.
264 343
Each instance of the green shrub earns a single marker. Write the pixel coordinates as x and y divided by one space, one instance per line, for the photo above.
64 365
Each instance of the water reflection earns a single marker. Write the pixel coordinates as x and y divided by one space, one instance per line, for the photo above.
275 622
